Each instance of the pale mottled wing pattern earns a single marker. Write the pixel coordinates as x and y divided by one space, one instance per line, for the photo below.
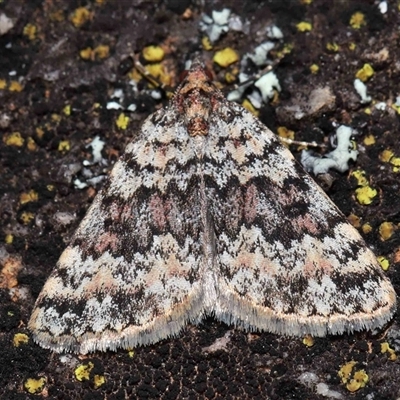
131 274
288 260
207 213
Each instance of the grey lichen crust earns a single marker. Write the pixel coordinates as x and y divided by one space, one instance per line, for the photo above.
208 214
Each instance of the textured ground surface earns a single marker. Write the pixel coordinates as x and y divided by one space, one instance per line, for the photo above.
56 78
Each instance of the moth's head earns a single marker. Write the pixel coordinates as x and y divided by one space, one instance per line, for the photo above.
198 70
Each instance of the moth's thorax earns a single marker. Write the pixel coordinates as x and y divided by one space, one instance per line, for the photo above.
196 99
196 107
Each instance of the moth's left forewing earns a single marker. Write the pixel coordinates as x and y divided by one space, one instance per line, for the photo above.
131 274
287 259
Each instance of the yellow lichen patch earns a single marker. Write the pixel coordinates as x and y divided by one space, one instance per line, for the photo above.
99 380
82 372
287 49
131 353
332 46
102 51
3 84
366 228
26 217
9 238
205 42
386 230
34 386
80 16
13 139
285 133
57 16
359 175
352 46
67 110
394 106
386 155
56 117
314 68
98 53
385 348
64 145
225 57
395 161
230 77
39 133
365 195
15 86
384 262
308 340
359 381
304 26
158 72
369 140
346 370
27 197
86 54
30 31
31 144
306 1
122 121
9 272
20 339
135 75
365 72
249 107
357 20
354 220
153 53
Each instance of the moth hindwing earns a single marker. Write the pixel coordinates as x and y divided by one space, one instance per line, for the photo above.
207 213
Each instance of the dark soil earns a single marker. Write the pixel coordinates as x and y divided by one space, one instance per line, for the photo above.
45 129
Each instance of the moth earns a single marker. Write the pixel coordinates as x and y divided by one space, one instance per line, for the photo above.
206 213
